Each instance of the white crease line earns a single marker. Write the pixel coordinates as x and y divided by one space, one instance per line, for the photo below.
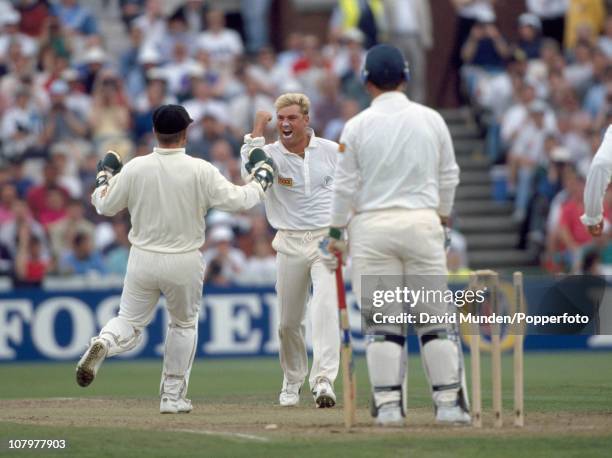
207 432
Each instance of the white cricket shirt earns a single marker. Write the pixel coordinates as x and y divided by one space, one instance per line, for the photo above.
598 181
167 194
300 198
395 154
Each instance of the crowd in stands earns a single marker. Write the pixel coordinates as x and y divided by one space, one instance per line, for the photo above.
545 101
67 96
70 91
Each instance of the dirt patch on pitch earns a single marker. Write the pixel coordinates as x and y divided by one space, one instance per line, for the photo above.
250 417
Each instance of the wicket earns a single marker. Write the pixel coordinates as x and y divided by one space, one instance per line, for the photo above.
490 279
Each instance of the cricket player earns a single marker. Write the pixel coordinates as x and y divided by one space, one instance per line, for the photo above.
167 194
397 173
596 186
298 206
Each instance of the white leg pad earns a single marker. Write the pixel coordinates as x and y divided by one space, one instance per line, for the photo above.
442 367
120 335
387 368
179 352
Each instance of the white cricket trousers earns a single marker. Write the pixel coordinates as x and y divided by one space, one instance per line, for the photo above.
397 242
179 277
299 267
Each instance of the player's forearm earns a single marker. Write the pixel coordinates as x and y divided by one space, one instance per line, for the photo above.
447 199
239 198
105 200
597 182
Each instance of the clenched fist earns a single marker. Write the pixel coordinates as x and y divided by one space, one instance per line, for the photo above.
262 118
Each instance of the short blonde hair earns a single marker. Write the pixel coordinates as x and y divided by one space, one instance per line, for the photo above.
293 98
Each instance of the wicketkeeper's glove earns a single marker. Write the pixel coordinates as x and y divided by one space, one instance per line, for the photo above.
330 246
107 167
257 157
263 173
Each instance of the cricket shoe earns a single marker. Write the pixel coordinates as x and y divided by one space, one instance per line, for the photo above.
90 362
290 394
169 404
323 393
452 415
389 414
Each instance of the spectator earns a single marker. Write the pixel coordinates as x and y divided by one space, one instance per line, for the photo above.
21 126
242 106
223 45
212 127
260 268
22 182
527 152
10 230
8 199
268 72
49 199
34 15
467 13
328 106
368 16
11 34
193 12
552 16
152 23
30 263
529 30
584 19
256 18
75 17
349 108
130 10
61 124
605 41
116 254
410 27
109 118
484 53
224 261
82 259
63 232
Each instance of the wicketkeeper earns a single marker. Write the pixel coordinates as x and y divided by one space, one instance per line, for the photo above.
167 194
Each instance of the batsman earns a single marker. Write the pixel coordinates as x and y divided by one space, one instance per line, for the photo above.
298 206
396 176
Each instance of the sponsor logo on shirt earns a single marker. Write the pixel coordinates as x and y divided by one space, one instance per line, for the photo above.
341 147
285 181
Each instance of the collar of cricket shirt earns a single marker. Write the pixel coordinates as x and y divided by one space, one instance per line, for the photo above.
388 96
166 151
311 143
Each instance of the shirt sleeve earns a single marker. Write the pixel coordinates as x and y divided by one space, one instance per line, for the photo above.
448 172
597 182
346 181
109 199
249 143
224 195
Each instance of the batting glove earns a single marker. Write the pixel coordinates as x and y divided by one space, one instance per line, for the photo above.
330 246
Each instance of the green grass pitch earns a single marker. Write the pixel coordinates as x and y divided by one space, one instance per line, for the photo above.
568 404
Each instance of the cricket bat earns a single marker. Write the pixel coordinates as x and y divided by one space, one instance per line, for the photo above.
348 367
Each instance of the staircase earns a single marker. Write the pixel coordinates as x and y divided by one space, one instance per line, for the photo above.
491 234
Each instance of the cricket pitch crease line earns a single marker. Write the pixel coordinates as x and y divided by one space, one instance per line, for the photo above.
207 432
